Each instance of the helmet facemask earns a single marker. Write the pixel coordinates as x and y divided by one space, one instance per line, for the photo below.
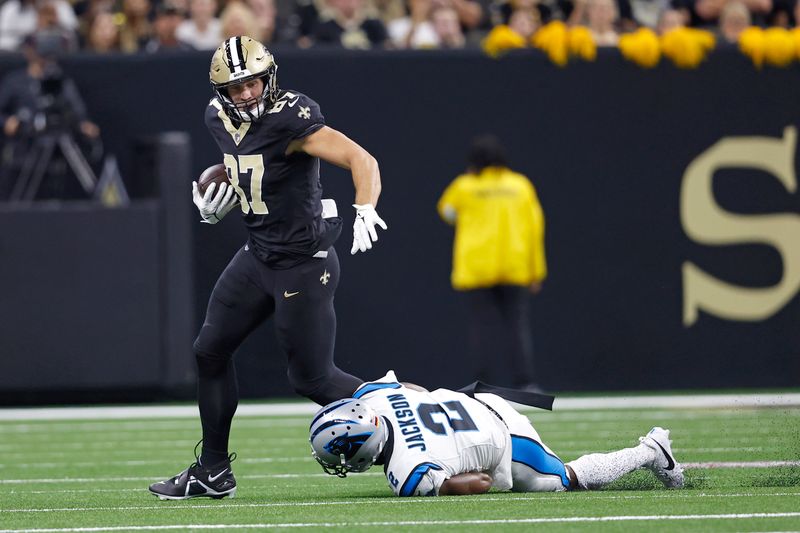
348 437
240 60
253 109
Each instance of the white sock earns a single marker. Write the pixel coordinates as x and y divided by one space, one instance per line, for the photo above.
598 469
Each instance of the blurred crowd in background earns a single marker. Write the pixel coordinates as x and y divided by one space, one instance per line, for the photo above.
152 26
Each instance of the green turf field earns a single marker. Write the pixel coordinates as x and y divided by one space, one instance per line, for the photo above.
92 475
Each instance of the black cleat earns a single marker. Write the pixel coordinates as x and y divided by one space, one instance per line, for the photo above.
197 481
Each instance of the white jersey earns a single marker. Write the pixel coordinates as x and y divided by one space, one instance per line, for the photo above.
436 435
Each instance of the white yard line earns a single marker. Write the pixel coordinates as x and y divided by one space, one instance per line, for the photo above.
743 464
595 495
706 465
680 401
152 479
133 445
173 426
177 427
401 523
144 462
171 506
308 408
44 465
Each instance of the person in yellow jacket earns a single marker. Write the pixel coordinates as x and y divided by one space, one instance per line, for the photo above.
498 256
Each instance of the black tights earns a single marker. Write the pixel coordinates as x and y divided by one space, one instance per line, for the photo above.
217 397
247 294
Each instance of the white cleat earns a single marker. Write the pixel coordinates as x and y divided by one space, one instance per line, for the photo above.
664 466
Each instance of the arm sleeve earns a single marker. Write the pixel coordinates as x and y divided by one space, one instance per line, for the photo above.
424 480
431 483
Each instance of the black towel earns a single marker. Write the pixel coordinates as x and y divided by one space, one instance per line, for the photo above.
533 399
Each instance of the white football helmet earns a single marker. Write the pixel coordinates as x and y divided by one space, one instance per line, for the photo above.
347 436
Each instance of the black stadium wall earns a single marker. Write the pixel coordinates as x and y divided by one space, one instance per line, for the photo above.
670 196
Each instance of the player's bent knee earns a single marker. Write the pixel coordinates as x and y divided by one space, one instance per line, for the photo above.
323 387
209 364
209 345
526 479
313 390
321 390
535 468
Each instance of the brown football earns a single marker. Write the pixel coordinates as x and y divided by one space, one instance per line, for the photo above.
213 174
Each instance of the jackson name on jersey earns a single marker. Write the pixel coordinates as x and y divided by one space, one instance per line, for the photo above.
436 435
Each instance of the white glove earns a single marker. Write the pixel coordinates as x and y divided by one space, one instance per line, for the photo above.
213 207
364 233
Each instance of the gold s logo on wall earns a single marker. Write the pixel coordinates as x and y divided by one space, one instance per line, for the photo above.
705 222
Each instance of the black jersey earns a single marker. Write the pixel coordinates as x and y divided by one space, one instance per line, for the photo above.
280 195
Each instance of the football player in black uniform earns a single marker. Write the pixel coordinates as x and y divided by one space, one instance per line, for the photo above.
272 141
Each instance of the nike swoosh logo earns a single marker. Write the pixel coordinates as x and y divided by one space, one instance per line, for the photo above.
291 104
289 294
670 462
214 478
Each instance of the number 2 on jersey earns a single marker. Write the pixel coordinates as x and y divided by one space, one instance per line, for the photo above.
427 410
254 165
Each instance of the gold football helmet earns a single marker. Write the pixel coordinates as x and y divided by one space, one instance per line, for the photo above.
238 60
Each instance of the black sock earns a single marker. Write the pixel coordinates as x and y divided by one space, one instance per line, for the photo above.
209 457
217 397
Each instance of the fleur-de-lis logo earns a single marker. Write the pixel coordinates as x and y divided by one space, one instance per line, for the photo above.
305 112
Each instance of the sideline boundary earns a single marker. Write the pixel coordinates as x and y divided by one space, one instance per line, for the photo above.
301 408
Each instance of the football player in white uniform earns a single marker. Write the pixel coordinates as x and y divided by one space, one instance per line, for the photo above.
447 443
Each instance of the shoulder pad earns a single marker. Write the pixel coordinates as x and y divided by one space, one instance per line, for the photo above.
288 100
297 113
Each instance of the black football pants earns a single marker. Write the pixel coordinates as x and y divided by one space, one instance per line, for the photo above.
247 293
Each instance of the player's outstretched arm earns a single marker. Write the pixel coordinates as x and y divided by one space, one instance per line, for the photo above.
465 484
336 148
